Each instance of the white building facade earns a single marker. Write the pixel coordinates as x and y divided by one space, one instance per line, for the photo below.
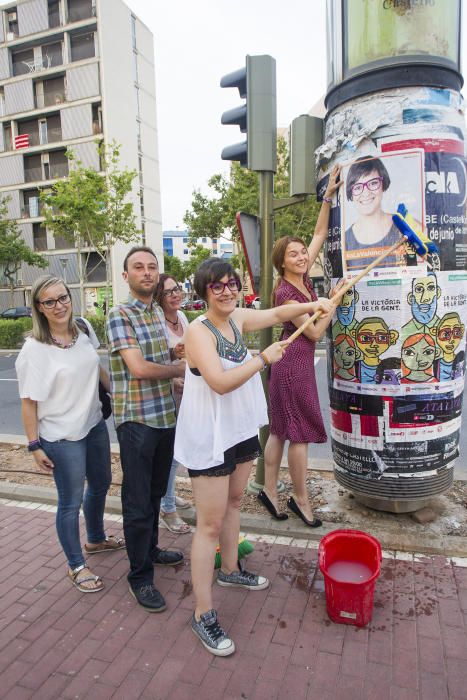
73 72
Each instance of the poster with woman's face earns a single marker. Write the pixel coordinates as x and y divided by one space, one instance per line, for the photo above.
373 189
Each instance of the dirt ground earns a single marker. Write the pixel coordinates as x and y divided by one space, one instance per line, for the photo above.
331 502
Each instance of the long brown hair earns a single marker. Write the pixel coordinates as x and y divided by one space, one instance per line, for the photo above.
278 255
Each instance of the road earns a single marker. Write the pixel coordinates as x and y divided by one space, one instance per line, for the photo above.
10 411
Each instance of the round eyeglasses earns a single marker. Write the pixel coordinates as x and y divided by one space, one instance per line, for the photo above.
64 299
372 186
233 285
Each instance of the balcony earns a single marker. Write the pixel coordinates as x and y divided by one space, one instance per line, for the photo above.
54 14
39 235
57 170
50 92
33 174
82 46
32 209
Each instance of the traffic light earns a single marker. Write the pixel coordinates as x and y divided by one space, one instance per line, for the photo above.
256 83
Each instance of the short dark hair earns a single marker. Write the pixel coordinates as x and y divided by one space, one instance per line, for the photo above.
364 166
138 249
212 270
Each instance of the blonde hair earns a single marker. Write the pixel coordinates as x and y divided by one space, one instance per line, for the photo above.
278 255
40 325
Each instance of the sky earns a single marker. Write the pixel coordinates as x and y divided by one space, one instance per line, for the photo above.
196 42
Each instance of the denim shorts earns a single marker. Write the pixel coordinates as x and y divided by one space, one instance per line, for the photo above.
244 451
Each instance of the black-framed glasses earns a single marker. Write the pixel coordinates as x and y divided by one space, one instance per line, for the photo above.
372 185
64 299
171 292
233 285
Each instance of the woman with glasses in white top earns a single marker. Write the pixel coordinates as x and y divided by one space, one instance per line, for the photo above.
169 295
58 374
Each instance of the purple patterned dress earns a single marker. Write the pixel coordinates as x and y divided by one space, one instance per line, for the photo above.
294 404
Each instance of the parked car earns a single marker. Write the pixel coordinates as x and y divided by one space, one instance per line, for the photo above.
16 312
252 302
256 303
193 305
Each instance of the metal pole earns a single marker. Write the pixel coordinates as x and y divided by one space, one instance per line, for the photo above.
266 217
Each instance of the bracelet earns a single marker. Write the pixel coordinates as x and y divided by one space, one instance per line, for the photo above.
327 199
34 445
264 359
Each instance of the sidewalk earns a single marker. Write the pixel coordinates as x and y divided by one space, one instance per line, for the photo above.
57 643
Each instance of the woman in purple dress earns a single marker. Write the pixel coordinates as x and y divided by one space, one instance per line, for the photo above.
294 406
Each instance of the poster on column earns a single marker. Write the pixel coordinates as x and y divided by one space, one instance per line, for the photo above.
445 195
373 189
401 332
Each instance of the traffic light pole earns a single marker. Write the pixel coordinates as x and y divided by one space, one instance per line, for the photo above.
266 217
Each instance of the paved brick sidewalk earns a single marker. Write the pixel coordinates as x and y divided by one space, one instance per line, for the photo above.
58 643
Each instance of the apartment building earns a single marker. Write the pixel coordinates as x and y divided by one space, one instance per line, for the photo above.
71 72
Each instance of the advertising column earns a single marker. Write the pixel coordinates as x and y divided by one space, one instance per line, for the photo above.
396 348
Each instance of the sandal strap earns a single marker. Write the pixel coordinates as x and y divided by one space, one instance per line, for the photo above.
118 540
92 577
74 572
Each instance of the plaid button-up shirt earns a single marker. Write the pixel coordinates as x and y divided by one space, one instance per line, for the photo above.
148 401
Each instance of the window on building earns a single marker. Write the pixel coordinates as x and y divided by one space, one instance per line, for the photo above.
52 129
31 204
80 9
135 66
54 13
133 31
95 267
39 237
82 46
2 102
97 119
204 239
185 251
52 55
49 92
7 145
22 62
32 168
185 240
58 164
12 30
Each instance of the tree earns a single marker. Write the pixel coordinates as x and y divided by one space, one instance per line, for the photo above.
13 249
197 255
174 266
90 209
211 215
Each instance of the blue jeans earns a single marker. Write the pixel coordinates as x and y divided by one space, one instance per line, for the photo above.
146 454
168 501
75 462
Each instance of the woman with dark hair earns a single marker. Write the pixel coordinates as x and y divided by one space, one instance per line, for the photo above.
374 230
223 407
58 374
169 294
293 394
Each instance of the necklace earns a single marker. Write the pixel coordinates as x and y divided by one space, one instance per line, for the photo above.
174 323
64 346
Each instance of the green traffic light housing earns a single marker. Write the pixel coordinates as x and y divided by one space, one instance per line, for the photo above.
256 83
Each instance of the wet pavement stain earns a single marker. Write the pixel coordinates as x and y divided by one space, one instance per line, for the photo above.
187 590
294 569
282 624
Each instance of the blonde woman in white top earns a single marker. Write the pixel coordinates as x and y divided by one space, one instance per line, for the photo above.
168 294
223 407
58 375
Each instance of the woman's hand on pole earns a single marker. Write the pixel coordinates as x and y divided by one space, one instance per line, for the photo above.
324 306
43 462
335 290
275 352
334 182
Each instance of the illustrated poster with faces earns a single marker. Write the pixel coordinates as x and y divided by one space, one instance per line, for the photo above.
400 334
373 189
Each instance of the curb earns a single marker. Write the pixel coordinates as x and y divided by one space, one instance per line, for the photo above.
261 525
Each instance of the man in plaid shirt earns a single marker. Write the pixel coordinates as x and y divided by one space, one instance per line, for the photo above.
144 414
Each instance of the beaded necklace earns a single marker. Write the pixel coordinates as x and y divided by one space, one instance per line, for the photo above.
64 346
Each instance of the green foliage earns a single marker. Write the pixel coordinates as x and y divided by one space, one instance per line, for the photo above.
98 324
197 255
174 266
11 333
210 215
13 249
25 323
191 315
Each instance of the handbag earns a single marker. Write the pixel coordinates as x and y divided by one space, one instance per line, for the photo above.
104 397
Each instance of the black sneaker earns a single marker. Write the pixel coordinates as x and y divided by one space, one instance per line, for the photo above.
149 598
211 634
166 557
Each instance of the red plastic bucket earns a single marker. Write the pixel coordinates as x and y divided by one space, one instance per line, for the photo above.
350 561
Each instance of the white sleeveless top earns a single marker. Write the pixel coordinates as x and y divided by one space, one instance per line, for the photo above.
209 423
